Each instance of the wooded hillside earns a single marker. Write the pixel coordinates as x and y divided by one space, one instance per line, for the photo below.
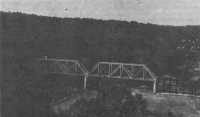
165 49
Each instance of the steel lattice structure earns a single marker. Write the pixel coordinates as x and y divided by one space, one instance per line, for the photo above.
123 71
64 66
101 69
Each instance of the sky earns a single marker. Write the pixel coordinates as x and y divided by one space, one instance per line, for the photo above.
163 12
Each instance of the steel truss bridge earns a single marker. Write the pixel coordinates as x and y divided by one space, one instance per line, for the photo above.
63 66
123 71
101 69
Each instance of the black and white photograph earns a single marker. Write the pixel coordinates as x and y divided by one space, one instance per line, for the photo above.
100 58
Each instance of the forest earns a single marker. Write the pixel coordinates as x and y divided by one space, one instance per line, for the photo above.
166 50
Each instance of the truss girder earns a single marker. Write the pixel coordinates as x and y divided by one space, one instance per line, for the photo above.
63 66
122 70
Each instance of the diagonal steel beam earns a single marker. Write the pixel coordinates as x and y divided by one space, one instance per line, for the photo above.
114 71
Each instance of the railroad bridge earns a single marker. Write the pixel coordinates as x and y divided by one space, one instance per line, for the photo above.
108 70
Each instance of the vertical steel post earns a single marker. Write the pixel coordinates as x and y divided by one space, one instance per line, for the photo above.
98 69
154 85
120 70
85 80
76 67
109 71
143 72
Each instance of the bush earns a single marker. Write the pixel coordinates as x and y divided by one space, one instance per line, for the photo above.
113 102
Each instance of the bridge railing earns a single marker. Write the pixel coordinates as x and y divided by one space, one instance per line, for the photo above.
175 86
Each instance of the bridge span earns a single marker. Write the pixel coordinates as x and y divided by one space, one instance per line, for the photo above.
115 70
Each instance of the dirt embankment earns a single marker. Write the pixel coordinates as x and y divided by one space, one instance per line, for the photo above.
119 102
179 106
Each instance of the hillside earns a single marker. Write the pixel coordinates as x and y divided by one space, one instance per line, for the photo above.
160 47
165 50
